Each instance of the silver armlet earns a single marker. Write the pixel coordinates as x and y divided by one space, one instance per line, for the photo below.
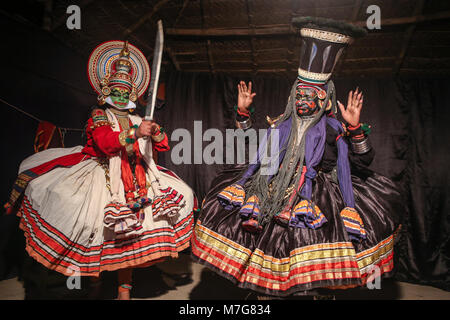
244 125
361 147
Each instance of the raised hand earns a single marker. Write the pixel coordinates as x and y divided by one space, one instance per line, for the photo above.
245 96
352 112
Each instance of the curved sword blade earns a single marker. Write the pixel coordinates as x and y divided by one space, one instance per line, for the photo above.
156 68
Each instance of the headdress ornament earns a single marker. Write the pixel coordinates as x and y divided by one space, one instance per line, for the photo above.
118 64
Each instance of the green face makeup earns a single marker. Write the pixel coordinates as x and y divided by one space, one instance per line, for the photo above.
120 97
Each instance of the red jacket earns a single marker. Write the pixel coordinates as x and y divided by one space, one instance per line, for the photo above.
104 142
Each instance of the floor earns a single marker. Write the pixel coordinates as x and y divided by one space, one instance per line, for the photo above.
155 283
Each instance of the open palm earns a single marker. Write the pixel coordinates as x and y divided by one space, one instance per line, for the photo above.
352 112
245 96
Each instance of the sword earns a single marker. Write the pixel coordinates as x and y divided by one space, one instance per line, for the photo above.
156 68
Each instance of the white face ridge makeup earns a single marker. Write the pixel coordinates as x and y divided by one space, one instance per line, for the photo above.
130 105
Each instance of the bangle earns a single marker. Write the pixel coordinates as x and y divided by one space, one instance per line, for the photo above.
355 132
350 127
360 147
159 137
246 124
360 128
99 119
159 131
100 124
243 114
252 109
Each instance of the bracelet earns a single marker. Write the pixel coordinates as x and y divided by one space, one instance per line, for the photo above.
355 131
252 109
99 119
361 146
244 125
100 124
361 128
243 114
159 137
350 127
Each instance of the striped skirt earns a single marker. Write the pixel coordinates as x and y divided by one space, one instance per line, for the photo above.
62 216
284 260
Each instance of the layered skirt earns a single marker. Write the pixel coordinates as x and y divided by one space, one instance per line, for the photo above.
281 261
62 216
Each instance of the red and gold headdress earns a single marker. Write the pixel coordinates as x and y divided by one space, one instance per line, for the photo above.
118 64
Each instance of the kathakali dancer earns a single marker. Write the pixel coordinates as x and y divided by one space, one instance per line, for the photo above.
322 219
106 206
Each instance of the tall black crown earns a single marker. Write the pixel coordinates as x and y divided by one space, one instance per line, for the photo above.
323 42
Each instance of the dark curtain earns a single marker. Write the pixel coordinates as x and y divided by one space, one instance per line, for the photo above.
409 133
210 100
425 247
409 120
49 81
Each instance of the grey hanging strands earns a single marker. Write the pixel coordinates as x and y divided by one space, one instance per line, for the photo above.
258 185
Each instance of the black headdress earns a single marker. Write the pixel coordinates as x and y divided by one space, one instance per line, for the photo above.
323 42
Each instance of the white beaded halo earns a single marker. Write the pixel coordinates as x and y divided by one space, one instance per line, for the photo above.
101 62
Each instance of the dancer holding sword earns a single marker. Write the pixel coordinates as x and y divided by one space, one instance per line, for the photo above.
107 206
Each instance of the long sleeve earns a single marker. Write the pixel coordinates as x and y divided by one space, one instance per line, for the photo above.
101 139
356 134
162 145
358 162
107 140
361 160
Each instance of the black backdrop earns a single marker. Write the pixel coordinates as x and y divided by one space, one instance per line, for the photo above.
409 119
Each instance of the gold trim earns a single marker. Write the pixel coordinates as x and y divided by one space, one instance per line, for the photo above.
375 254
119 113
272 121
313 75
122 138
325 35
255 272
300 257
159 137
